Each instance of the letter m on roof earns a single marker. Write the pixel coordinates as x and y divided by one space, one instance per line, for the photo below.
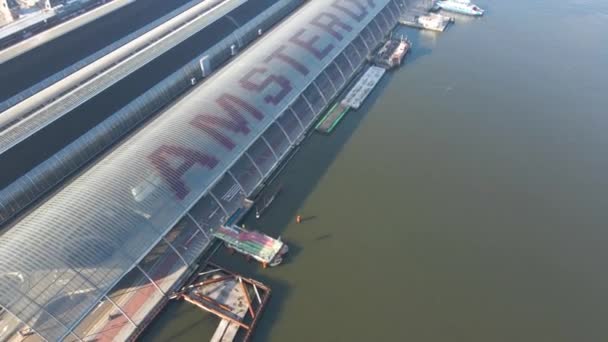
230 119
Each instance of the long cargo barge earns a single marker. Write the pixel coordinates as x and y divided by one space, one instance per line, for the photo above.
353 99
332 118
363 87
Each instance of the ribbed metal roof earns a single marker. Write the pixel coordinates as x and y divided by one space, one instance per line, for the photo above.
37 112
94 230
27 157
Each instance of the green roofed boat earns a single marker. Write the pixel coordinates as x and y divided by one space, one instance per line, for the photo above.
261 247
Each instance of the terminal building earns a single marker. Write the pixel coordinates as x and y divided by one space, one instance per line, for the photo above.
95 259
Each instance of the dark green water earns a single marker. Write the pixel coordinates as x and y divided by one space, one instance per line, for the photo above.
468 200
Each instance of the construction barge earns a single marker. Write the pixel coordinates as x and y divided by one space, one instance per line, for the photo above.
253 244
236 300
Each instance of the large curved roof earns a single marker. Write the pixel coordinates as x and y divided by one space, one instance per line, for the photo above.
98 226
26 154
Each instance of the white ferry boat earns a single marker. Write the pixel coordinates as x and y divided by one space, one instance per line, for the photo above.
460 6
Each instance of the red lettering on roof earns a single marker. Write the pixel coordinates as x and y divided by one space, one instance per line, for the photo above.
329 23
358 13
309 44
248 82
278 54
235 114
216 125
163 158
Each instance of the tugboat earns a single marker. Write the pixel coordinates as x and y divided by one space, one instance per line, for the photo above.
460 6
392 53
400 52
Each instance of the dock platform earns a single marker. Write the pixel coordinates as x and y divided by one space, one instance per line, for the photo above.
363 87
236 300
332 118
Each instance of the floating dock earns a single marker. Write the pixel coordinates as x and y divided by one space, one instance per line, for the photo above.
253 244
431 21
332 118
363 87
237 301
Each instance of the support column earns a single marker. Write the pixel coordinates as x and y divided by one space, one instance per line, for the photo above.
276 157
364 42
341 73
218 203
388 25
293 112
176 251
331 81
395 15
150 279
403 5
254 164
379 30
198 225
284 132
121 311
236 181
236 37
320 92
352 66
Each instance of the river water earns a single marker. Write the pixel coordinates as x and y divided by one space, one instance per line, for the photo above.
466 201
